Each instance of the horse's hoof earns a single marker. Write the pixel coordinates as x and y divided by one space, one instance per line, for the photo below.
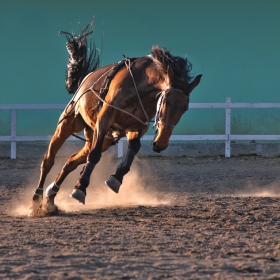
50 210
34 209
113 184
78 195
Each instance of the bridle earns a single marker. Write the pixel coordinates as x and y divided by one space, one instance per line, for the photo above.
159 115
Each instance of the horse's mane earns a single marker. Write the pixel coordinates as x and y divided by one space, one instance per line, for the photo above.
180 66
83 59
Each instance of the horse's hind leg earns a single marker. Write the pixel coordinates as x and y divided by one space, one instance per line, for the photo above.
115 180
72 163
62 132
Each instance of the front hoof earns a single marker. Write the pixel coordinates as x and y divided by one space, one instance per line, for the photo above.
113 184
78 195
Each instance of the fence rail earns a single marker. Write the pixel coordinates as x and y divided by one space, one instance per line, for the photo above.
227 137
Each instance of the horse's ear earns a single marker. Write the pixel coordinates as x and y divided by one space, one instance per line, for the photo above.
195 82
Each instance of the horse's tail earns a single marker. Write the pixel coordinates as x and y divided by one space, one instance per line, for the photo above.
83 59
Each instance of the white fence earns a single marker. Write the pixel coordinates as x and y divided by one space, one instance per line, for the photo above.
227 137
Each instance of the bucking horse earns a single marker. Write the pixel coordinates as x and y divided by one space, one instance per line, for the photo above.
109 103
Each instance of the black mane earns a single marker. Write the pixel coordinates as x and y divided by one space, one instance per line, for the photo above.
83 59
180 67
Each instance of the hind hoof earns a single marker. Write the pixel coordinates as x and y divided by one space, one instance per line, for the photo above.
78 195
50 209
34 209
113 184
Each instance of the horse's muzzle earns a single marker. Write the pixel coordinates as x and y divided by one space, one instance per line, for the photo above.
157 148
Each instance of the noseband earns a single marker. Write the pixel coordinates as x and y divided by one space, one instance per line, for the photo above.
159 115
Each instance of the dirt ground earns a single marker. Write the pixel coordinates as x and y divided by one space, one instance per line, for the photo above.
174 218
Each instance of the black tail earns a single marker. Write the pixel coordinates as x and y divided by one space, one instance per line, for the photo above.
83 59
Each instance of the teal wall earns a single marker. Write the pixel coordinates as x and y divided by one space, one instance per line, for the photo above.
235 44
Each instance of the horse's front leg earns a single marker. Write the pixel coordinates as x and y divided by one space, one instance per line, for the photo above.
115 180
79 192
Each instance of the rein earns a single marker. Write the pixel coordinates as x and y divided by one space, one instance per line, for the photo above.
127 64
110 105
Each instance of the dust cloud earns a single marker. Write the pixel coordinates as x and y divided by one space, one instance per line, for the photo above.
138 188
143 184
252 190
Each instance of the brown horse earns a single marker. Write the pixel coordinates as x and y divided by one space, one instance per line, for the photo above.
112 102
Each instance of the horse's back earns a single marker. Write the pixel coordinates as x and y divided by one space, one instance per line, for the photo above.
97 77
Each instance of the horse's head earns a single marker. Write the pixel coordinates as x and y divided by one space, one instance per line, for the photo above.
172 104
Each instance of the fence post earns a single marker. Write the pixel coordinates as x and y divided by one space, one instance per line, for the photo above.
13 134
228 124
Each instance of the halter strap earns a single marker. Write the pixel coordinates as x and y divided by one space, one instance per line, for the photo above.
160 102
167 124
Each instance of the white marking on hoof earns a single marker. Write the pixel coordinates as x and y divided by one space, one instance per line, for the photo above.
52 189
